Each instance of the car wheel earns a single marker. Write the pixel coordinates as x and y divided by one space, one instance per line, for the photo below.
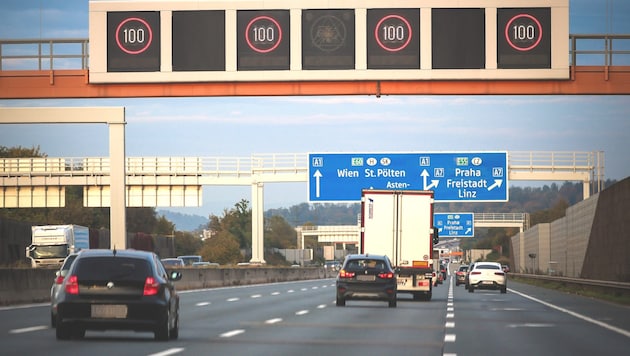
471 289
393 302
503 290
53 320
175 330
341 302
63 331
162 331
78 333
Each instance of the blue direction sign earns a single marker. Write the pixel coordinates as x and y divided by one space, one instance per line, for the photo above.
454 177
454 224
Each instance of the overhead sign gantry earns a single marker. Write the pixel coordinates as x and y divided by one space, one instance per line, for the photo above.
280 40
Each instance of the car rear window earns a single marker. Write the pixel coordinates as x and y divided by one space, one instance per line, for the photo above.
487 267
112 268
365 263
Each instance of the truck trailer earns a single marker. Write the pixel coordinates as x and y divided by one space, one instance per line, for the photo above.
51 244
399 224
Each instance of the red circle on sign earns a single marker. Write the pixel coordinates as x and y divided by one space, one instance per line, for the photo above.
146 24
252 46
507 35
381 44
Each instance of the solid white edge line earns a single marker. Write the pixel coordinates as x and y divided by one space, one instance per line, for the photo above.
623 332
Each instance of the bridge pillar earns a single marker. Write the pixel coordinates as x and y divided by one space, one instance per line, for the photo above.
258 222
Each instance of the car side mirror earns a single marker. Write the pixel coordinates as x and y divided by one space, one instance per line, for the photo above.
175 276
436 236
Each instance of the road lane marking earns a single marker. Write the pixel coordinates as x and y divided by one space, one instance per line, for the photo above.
233 299
202 304
275 293
273 321
256 296
28 330
449 338
449 325
301 312
623 332
168 352
232 333
321 306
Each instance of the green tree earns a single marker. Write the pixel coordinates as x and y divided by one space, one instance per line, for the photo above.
186 243
279 234
222 248
21 152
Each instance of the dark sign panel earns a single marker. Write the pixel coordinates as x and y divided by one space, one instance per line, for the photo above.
199 40
133 41
328 39
458 38
393 39
524 38
263 40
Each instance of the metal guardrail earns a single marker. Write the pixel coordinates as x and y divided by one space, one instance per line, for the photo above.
590 48
618 288
73 53
44 54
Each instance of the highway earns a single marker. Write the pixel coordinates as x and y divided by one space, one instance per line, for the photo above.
300 318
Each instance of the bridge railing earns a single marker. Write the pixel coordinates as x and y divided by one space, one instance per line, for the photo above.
73 53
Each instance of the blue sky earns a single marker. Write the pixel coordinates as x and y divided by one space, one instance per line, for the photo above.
245 126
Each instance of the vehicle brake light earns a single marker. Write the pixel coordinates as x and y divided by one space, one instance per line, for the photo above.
151 287
345 274
59 280
475 272
386 275
499 273
72 286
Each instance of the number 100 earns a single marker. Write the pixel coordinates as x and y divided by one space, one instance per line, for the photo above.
522 32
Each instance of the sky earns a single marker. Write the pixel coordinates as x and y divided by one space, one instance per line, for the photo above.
243 126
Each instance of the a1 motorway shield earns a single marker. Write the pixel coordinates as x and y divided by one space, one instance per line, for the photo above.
454 224
460 176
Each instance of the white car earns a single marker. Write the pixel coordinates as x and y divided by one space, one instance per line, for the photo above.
487 275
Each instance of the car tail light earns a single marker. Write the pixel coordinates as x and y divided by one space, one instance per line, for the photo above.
386 275
59 280
151 287
72 286
475 272
499 273
345 274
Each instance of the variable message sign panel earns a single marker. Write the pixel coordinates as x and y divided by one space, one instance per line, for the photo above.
462 176
314 40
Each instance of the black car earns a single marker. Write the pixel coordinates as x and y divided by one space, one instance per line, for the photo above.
366 277
118 290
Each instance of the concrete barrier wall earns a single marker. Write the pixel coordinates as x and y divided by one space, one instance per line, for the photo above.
27 285
591 241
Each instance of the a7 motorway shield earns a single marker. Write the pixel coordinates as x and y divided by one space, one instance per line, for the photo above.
453 176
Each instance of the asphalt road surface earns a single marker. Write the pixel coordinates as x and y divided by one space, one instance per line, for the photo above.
300 318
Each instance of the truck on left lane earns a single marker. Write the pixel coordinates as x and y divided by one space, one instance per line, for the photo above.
51 244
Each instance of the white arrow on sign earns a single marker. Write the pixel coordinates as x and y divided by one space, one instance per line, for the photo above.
317 176
467 231
434 182
497 184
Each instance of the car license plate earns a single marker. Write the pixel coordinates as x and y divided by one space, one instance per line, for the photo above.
365 278
487 282
403 282
111 311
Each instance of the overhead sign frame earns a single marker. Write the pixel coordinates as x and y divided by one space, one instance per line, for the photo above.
350 44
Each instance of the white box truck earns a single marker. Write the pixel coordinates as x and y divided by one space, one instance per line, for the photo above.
51 244
399 224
